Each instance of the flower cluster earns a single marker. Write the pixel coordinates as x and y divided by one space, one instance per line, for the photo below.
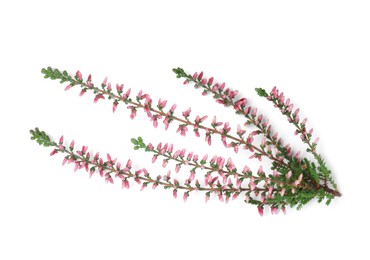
292 180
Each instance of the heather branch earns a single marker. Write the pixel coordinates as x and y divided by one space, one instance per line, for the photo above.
227 97
294 181
84 160
286 108
106 90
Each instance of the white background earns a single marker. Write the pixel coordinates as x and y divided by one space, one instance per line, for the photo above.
317 52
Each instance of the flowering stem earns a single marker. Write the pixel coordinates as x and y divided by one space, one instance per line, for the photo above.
128 101
223 97
294 180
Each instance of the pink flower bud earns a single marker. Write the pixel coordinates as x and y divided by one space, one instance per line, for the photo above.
207 198
83 91
210 81
260 211
78 75
154 158
68 87
115 104
174 193
186 195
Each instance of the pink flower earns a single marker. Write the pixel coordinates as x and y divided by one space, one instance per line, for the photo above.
115 104
273 210
65 160
143 186
260 171
172 110
78 75
316 141
161 104
186 195
174 193
133 111
119 88
127 94
208 138
53 152
210 81
288 175
68 87
104 83
177 168
186 113
246 169
165 162
182 129
260 211
207 198
252 184
192 176
125 184
240 131
215 123
83 91
97 97
108 178
284 210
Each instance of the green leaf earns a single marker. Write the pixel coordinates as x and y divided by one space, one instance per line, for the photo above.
134 141
41 137
261 92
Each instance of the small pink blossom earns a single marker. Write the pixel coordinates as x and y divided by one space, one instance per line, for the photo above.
119 88
125 184
207 198
186 195
210 80
186 113
83 91
115 104
174 193
172 110
68 87
260 211
79 75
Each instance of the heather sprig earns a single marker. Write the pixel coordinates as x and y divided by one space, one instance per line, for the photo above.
293 180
